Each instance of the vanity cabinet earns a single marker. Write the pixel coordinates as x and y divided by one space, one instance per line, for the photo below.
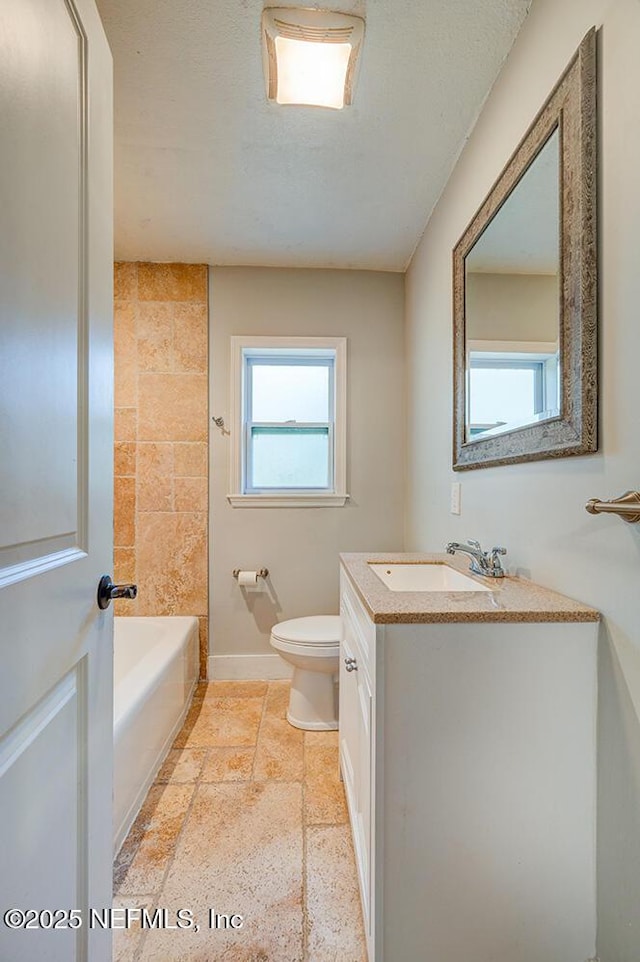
467 751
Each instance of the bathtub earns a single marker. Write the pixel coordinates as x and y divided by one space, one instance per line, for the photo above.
155 672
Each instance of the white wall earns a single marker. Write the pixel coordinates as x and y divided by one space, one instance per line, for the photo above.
300 546
537 510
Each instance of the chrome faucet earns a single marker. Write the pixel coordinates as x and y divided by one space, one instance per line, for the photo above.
485 563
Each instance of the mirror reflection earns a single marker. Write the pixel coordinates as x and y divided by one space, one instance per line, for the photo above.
512 306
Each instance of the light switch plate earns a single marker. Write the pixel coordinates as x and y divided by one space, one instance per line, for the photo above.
455 497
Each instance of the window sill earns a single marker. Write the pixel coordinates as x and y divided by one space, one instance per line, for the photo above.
287 500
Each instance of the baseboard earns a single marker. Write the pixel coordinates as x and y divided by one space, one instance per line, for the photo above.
248 667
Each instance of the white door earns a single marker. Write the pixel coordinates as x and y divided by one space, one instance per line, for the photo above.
55 477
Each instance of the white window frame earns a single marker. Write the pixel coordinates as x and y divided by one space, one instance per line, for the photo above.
542 357
246 346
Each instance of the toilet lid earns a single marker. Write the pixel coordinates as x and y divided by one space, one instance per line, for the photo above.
313 630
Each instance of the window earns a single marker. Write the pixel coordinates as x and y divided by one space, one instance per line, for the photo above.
507 390
288 421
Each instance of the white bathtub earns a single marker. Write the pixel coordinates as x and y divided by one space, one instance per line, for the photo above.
155 671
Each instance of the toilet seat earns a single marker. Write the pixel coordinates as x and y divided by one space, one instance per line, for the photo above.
310 650
314 631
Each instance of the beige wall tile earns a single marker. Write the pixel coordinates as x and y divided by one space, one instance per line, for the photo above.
124 514
161 389
172 407
124 572
190 337
191 494
172 282
124 564
155 476
204 648
172 563
124 458
125 426
125 351
125 607
155 336
191 459
125 281
155 495
155 460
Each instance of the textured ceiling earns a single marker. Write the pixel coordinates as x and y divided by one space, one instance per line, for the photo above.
206 170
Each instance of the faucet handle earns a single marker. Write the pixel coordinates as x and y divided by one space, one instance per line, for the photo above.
474 544
494 561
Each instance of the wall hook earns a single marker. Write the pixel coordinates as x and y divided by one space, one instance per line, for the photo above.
219 422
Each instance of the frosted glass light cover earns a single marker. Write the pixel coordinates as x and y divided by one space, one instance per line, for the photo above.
311 73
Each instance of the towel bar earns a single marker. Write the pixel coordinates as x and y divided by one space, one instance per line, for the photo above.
627 506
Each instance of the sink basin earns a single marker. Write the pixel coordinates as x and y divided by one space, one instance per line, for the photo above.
424 577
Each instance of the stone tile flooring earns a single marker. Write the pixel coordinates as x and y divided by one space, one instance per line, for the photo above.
246 816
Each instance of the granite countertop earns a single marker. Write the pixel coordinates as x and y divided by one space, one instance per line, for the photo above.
510 598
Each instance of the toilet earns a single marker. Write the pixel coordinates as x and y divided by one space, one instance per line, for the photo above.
312 646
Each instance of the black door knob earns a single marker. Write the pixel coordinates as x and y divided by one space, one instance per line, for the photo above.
107 591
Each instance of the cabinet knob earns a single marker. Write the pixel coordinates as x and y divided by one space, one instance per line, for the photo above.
350 664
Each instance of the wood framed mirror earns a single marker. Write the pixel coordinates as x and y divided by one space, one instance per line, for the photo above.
525 292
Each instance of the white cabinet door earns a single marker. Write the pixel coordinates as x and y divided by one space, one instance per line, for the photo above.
356 704
56 264
363 793
349 744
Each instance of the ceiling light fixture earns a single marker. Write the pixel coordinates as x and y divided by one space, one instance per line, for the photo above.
310 56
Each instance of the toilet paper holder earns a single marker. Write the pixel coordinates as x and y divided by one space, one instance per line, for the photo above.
262 572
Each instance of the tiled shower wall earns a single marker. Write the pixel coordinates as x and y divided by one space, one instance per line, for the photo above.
161 449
